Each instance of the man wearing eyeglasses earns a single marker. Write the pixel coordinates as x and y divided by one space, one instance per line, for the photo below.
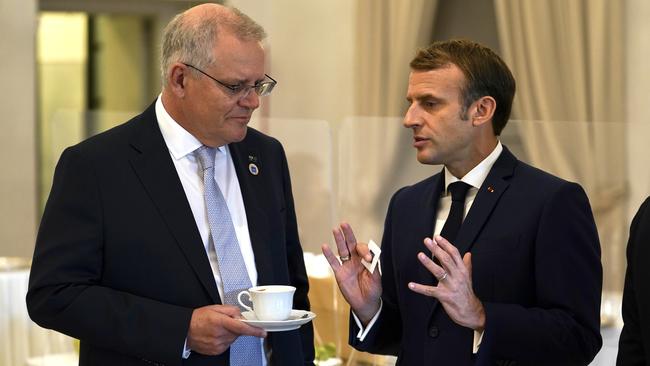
152 228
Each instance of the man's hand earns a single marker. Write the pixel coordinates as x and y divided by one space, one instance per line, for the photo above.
360 288
454 290
214 328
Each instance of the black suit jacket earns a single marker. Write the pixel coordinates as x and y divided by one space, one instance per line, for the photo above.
119 262
536 268
634 344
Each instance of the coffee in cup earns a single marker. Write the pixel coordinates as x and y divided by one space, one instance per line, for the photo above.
270 302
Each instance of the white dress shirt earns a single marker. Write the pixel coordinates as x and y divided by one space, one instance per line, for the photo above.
475 179
181 145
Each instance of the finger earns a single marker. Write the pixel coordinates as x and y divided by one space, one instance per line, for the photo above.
467 260
431 245
446 261
331 257
450 249
430 291
341 245
430 265
350 239
230 310
364 252
241 328
455 260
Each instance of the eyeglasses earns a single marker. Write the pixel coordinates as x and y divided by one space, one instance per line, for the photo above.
262 88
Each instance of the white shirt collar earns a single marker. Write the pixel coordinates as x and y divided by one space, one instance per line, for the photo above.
179 141
477 175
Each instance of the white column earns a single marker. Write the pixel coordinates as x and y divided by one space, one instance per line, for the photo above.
18 204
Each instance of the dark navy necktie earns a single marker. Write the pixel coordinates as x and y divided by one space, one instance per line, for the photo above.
455 219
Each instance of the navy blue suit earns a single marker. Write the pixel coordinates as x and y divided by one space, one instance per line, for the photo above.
119 262
634 344
536 269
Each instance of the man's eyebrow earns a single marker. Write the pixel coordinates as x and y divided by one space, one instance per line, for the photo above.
425 96
246 82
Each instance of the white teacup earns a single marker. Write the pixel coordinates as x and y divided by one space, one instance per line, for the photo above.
270 303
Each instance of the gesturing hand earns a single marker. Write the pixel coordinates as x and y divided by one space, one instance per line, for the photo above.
454 289
360 288
214 328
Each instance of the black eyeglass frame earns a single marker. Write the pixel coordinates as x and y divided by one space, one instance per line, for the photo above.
262 88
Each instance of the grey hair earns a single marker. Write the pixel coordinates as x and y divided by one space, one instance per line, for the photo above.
192 40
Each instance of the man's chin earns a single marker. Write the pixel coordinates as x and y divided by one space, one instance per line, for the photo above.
241 134
426 159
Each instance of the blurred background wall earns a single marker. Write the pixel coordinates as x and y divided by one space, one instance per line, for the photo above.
73 68
78 67
18 153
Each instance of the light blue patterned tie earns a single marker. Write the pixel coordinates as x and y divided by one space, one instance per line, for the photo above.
246 350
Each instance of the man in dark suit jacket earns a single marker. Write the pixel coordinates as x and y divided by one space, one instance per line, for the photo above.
634 344
519 281
123 257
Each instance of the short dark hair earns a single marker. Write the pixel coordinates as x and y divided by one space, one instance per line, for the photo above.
485 73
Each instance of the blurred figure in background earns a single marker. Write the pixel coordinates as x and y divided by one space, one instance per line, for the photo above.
153 228
634 344
516 277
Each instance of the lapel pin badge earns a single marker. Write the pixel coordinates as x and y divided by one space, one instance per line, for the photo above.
490 189
253 169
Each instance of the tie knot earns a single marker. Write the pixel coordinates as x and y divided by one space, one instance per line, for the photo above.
458 191
205 156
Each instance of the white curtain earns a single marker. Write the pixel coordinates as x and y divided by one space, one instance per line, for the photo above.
567 57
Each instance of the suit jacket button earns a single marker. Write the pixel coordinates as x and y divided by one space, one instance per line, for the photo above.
433 332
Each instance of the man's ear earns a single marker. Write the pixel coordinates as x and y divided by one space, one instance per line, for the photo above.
177 79
483 110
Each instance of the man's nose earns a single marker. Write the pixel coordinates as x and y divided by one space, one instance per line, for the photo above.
250 100
411 118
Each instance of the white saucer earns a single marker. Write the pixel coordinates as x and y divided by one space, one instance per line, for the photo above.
296 319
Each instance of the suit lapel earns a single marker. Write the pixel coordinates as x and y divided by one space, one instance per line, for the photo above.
488 195
253 188
153 166
429 211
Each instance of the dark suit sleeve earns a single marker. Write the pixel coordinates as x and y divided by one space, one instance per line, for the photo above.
633 348
563 323
65 291
386 334
297 272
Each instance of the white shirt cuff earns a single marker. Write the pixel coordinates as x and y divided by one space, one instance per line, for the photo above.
361 335
478 337
363 332
186 351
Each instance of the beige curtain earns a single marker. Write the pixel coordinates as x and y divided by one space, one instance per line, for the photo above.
375 153
388 33
567 58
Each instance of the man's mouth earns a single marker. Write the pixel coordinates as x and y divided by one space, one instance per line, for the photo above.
241 118
419 141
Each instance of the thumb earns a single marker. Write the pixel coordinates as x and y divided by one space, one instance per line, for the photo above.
467 260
